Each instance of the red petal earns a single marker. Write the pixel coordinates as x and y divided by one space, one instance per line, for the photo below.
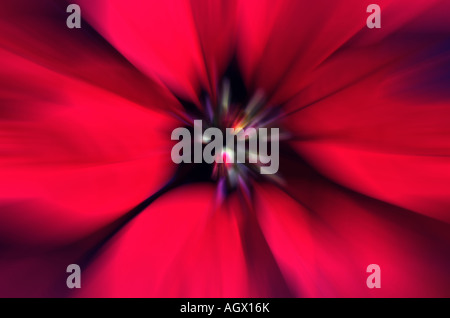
158 37
324 241
79 155
180 246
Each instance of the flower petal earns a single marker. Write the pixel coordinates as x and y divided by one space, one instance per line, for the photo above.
325 240
180 246
79 154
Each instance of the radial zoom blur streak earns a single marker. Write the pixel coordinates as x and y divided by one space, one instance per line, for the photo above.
86 175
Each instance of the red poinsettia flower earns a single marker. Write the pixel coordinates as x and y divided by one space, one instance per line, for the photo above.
86 175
